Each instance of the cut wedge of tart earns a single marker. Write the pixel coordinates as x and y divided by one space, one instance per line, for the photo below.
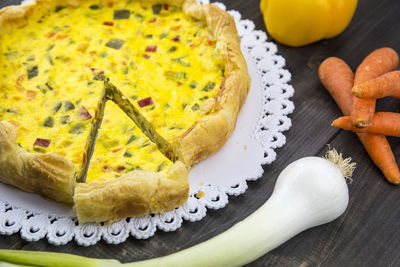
127 174
174 71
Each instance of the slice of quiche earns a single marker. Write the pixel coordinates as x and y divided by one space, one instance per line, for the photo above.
127 174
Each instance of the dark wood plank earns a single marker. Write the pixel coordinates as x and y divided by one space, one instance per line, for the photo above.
368 233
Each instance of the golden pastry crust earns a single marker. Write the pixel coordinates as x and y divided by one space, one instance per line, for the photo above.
136 193
211 132
48 175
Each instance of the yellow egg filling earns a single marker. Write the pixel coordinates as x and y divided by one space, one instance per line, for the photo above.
52 65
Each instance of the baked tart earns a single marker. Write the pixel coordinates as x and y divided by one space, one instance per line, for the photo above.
107 104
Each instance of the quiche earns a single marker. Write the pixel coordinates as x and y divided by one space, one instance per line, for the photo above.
106 105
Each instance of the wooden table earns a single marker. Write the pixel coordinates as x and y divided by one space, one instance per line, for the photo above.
367 234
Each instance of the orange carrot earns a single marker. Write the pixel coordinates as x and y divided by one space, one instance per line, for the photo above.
386 85
385 123
374 65
337 77
381 154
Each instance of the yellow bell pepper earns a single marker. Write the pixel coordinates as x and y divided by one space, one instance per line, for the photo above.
301 22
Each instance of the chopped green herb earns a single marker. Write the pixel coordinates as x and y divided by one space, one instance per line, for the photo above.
99 77
132 65
131 139
12 110
166 106
49 122
77 128
172 49
95 7
148 36
33 72
115 43
195 107
180 61
50 84
65 119
156 9
121 14
203 98
161 166
57 107
127 154
49 58
139 17
209 86
184 105
163 35
68 106
193 84
11 54
125 70
103 54
31 58
50 47
41 89
147 143
59 8
134 97
39 149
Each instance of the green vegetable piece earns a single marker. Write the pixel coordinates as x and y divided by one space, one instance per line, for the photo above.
180 61
163 35
115 43
59 8
49 122
39 149
31 58
147 143
99 77
104 54
161 166
209 86
50 47
195 107
156 9
77 128
33 72
172 49
139 17
65 119
203 98
127 154
121 14
68 106
57 107
12 110
148 36
95 7
131 139
49 58
184 105
50 84
193 84
11 54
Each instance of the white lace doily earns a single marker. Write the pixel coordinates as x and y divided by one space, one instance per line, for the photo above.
259 129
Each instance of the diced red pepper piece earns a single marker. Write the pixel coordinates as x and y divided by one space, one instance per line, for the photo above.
61 36
30 94
175 28
42 142
146 56
152 20
106 168
179 83
108 23
50 34
110 4
145 102
151 48
166 6
176 39
116 150
84 113
120 169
